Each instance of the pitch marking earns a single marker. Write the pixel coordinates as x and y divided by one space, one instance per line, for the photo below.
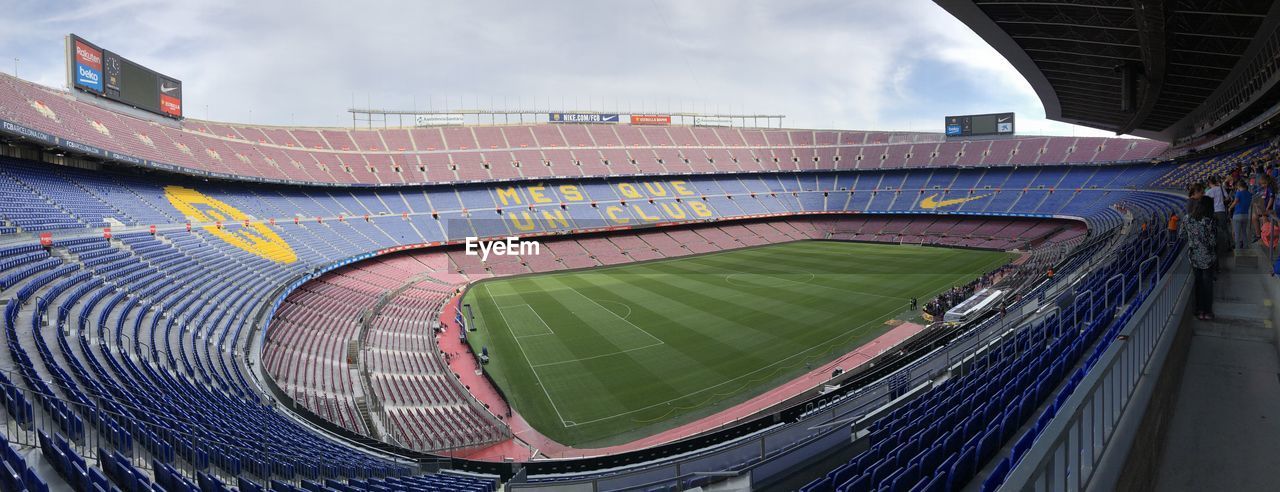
624 320
620 352
623 304
728 277
569 423
550 331
527 359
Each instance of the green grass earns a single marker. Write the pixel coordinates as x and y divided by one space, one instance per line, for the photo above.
607 355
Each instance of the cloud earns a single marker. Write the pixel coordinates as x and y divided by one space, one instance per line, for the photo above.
823 63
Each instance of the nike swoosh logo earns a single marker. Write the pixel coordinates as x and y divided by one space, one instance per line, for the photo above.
931 201
1002 120
168 89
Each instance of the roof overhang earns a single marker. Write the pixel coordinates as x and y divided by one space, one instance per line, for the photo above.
1139 67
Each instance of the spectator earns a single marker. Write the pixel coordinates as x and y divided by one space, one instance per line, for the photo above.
1195 191
1173 222
1240 208
1197 229
1262 210
957 294
1220 221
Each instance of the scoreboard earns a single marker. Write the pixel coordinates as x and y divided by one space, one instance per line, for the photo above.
106 74
980 124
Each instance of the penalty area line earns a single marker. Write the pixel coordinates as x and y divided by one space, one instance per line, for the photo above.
537 376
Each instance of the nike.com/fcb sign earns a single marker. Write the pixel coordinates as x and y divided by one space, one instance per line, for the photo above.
582 118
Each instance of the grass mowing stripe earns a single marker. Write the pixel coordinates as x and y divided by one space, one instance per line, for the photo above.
725 338
660 309
751 298
615 315
769 281
769 366
604 346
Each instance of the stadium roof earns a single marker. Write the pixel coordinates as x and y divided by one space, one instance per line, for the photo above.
1194 64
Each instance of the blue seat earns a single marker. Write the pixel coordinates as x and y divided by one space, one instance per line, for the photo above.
880 471
9 477
997 476
844 472
934 483
1023 445
1008 424
918 459
817 485
974 425
989 444
890 482
962 469
910 475
908 451
953 442
929 458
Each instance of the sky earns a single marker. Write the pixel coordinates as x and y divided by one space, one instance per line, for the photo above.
846 64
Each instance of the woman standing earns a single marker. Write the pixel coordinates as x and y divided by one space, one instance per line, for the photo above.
1198 231
1240 209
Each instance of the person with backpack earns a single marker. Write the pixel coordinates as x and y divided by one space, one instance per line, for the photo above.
1221 221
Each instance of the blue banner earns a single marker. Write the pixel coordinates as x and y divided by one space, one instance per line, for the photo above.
88 78
22 131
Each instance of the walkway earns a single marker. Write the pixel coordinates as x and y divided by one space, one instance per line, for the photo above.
1224 433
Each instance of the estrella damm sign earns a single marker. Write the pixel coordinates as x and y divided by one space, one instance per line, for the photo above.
253 237
932 202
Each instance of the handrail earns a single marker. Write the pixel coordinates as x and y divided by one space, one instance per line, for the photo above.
1142 269
1083 446
1106 289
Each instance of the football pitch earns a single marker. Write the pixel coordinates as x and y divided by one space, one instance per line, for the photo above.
607 355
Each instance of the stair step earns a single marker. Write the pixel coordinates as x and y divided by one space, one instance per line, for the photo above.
1242 315
1242 311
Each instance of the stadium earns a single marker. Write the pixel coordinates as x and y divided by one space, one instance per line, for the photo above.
447 299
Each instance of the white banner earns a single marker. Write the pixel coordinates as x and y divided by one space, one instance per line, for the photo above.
711 121
438 119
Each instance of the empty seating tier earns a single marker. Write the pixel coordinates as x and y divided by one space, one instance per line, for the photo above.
461 154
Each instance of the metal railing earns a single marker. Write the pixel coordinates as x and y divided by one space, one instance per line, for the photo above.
1085 445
